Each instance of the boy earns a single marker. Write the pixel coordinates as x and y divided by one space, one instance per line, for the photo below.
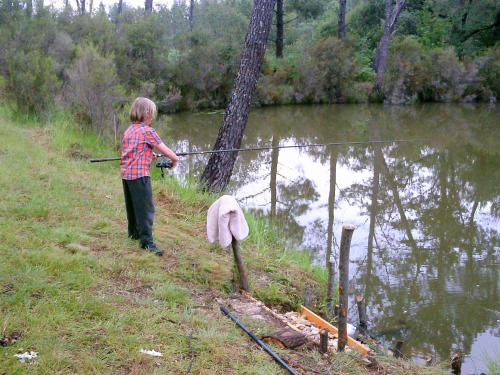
137 153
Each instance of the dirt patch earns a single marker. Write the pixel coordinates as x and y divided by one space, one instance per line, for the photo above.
196 231
10 339
7 289
178 209
76 151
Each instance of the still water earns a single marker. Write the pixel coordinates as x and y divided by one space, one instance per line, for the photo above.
425 252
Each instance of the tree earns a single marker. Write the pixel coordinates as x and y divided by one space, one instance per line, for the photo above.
218 171
392 12
191 14
341 31
148 6
279 28
80 6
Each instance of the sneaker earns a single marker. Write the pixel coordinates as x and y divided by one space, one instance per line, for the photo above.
154 249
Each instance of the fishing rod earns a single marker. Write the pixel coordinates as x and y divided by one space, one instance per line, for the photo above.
270 148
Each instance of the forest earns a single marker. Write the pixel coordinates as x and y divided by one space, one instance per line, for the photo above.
91 60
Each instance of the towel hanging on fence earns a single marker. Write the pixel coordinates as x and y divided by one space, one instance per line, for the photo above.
225 220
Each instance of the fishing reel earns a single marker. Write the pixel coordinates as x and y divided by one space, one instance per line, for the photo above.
164 163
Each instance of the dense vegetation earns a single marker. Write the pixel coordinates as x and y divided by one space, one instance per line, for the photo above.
93 62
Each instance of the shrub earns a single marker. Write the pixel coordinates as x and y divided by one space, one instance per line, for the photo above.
405 72
489 74
93 90
414 73
334 69
444 74
31 81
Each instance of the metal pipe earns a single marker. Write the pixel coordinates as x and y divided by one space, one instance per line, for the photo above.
273 148
258 341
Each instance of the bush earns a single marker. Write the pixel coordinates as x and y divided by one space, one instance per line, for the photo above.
93 90
405 73
31 81
444 77
489 74
414 73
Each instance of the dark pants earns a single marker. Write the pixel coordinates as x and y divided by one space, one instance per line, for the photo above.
140 209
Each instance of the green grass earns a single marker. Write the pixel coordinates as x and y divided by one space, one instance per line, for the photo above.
493 364
87 299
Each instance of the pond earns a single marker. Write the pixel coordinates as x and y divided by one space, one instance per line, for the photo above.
425 252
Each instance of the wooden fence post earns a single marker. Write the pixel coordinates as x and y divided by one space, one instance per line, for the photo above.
239 264
456 363
323 341
345 245
363 320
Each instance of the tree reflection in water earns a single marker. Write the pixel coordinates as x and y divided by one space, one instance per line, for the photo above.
425 251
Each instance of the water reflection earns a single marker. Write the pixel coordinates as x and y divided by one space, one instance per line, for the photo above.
426 247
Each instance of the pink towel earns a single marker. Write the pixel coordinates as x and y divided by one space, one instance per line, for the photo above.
225 220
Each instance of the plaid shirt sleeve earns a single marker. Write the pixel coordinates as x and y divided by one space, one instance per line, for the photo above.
152 138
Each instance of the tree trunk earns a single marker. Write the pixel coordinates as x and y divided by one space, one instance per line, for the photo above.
120 6
329 245
341 31
274 172
397 200
373 219
29 8
148 6
279 28
218 171
345 245
191 14
91 5
391 15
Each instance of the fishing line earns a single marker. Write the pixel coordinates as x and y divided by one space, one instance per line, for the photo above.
292 146
273 148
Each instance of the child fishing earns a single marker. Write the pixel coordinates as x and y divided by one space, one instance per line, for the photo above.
138 143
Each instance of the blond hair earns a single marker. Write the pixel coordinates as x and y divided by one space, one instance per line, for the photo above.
142 108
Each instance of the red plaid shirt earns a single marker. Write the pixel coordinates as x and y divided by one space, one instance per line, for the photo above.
137 151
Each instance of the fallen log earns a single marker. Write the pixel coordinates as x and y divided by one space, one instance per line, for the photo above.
285 338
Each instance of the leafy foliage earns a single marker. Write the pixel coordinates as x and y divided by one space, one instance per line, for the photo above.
443 51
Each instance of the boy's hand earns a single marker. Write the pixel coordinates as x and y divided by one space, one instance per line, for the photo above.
155 156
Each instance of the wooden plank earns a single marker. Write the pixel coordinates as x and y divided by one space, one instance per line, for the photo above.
321 323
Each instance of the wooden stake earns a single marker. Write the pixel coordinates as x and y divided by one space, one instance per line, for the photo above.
307 297
322 323
456 363
397 349
363 321
239 264
345 245
323 341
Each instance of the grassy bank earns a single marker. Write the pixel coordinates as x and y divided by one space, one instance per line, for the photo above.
87 299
